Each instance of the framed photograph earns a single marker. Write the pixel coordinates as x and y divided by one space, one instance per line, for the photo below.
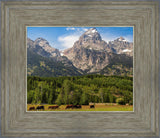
80 68
85 69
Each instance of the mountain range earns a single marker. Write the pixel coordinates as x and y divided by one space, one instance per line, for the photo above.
89 55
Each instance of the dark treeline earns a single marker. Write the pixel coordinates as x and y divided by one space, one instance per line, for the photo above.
80 90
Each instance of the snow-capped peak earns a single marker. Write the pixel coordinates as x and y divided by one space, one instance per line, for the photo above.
92 35
122 39
91 31
94 31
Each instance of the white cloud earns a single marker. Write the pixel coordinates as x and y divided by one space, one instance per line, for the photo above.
70 28
68 41
76 29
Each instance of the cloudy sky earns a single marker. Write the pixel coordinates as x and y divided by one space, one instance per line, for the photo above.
64 37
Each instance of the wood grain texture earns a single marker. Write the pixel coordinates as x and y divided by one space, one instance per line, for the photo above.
17 122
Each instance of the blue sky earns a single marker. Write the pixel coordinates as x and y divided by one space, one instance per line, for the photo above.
64 37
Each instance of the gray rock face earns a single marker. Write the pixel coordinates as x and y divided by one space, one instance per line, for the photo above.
121 46
89 60
30 43
91 39
90 53
42 47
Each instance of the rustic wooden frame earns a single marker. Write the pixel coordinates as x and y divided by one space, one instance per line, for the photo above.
142 122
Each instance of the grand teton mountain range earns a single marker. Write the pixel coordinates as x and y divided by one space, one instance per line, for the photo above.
89 55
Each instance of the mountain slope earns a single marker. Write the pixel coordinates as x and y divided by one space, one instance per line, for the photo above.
47 67
121 46
42 47
89 53
120 64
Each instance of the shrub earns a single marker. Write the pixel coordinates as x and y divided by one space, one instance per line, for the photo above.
120 101
131 103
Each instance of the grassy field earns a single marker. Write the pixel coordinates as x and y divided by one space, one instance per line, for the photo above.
87 108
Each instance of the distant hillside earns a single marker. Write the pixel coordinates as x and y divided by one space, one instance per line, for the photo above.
47 67
120 64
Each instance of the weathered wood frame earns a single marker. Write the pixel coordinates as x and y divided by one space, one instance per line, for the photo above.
142 122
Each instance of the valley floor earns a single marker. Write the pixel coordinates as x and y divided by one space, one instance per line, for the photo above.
86 108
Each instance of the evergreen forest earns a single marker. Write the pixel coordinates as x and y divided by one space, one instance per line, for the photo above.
80 90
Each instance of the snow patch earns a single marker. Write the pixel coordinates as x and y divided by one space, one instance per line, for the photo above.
90 35
94 31
91 31
62 54
126 50
120 39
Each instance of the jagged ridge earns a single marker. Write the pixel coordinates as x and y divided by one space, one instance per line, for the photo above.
90 54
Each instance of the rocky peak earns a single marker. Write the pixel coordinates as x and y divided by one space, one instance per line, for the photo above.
41 42
91 35
30 43
122 46
29 40
91 31
91 40
42 47
90 53
121 39
45 45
